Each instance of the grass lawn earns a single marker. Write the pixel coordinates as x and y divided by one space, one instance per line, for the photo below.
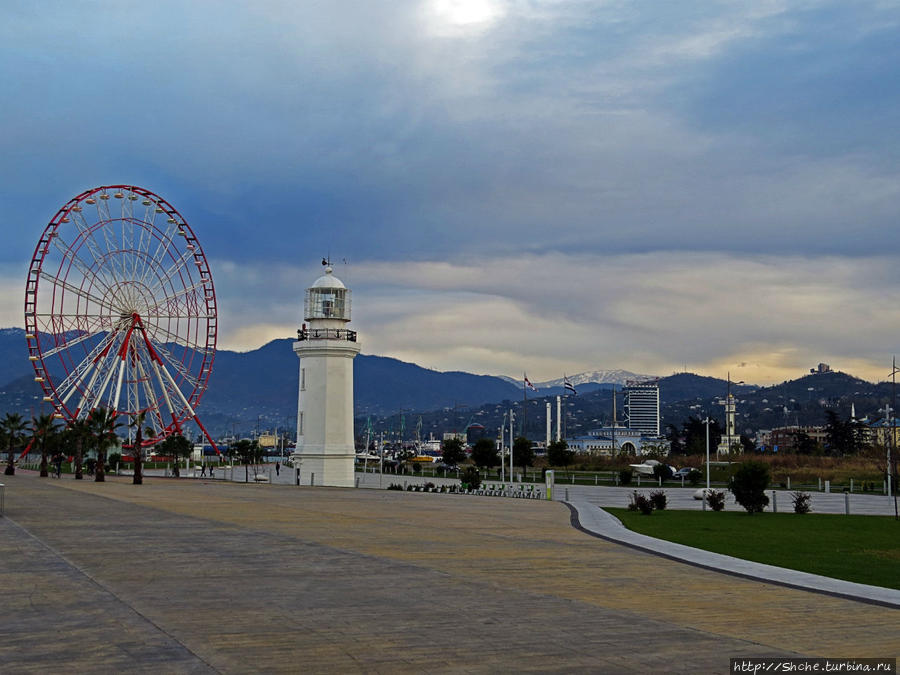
865 549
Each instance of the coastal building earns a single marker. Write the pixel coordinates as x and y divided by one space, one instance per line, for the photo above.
785 439
642 406
325 450
880 432
611 441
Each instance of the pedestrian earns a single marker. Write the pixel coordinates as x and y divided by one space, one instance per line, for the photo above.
58 460
277 468
203 470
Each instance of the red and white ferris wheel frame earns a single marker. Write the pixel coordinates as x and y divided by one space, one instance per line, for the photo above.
120 310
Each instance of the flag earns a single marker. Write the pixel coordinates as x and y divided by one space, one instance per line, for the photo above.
568 385
528 383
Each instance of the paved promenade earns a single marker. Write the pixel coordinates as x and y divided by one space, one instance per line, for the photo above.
201 576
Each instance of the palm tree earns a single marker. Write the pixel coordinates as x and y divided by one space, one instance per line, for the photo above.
103 427
13 427
138 451
43 428
78 432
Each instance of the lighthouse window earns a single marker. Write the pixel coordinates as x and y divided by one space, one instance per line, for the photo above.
303 379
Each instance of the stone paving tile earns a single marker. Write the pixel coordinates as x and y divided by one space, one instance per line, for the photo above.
280 579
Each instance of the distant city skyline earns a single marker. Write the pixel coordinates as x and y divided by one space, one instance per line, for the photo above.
543 187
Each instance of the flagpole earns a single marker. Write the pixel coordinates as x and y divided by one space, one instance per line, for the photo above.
524 402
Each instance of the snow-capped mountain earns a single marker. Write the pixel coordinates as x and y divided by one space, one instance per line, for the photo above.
595 377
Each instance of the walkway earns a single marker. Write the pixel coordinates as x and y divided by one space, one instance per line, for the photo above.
201 576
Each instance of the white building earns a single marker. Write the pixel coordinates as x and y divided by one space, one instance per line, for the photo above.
642 406
731 439
326 348
611 441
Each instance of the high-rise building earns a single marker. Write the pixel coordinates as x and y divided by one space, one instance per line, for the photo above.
642 405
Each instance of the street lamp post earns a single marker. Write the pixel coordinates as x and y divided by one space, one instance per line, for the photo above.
706 422
890 443
512 417
503 450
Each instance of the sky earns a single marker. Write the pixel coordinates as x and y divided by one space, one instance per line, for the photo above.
538 186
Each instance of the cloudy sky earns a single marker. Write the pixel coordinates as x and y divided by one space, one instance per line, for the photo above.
542 185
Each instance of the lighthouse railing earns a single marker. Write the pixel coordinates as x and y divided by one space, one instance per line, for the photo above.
326 334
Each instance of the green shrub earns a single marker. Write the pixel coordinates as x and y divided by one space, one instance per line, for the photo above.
658 500
663 471
716 500
640 503
748 485
801 502
694 477
625 477
471 477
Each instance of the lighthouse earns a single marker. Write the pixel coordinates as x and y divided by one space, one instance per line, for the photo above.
326 348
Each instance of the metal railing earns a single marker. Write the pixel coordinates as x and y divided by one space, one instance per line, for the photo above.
326 334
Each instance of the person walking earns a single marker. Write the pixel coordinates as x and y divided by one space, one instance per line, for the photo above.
58 460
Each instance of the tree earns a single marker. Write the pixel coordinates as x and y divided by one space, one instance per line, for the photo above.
663 471
805 444
840 435
522 453
484 453
452 451
43 428
673 434
247 452
558 454
694 432
175 446
137 451
78 433
13 428
748 485
103 425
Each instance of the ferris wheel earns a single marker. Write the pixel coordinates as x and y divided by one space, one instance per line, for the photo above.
120 310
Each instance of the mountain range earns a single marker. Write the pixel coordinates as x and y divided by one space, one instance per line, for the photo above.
258 389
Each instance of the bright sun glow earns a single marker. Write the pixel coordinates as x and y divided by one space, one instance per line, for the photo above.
467 12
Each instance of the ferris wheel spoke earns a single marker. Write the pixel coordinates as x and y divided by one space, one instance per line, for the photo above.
180 340
85 232
64 284
150 394
68 344
193 381
68 253
162 248
94 361
176 267
184 292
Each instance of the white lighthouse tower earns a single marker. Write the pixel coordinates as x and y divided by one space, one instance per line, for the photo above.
326 348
